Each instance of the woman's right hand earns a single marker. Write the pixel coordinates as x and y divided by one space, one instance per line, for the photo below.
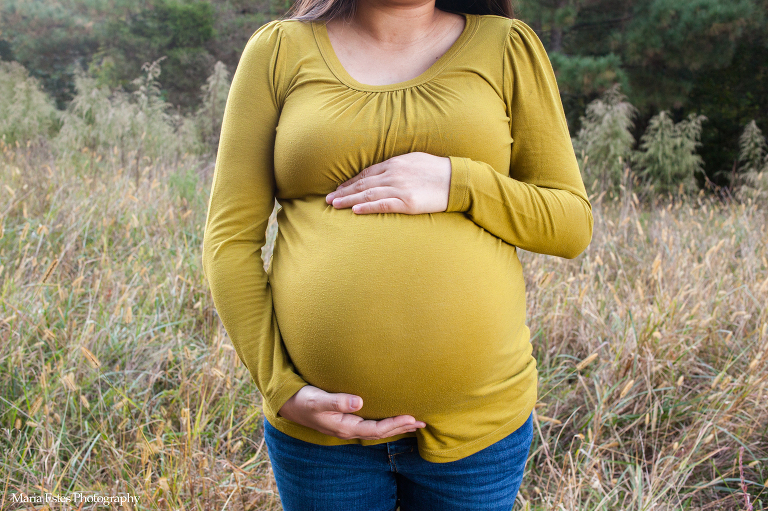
331 414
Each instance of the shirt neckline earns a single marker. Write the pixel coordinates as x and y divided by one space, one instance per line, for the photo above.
334 64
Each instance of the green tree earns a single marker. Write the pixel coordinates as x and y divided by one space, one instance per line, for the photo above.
165 28
49 39
694 56
667 43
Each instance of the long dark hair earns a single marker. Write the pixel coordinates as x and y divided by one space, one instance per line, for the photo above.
325 10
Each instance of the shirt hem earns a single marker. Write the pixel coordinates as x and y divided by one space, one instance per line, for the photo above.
310 435
477 445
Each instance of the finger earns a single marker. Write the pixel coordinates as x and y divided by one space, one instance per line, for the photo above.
352 426
394 432
377 429
390 205
342 402
404 429
373 170
359 186
345 190
372 193
388 434
403 420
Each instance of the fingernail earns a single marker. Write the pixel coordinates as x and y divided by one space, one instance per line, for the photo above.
354 402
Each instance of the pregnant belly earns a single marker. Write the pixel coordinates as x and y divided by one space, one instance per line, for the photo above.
417 314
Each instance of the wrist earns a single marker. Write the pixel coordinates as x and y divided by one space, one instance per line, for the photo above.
458 190
285 411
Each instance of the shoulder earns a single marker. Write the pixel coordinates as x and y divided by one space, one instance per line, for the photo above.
281 42
509 29
510 33
493 20
521 30
281 31
493 27
274 52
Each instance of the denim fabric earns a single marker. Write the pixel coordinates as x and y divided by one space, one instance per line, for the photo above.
380 477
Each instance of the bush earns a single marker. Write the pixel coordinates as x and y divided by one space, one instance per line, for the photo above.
134 126
754 158
26 112
668 161
211 111
604 142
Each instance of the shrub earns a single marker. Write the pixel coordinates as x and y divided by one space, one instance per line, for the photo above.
754 158
604 142
135 126
668 160
211 111
26 112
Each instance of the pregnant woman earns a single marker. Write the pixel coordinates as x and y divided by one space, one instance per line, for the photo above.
413 148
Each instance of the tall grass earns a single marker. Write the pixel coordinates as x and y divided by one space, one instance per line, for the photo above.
114 371
116 375
214 99
653 350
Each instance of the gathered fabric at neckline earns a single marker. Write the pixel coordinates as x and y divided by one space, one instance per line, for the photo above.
320 32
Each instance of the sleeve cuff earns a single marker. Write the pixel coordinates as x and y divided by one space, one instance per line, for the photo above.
458 194
289 387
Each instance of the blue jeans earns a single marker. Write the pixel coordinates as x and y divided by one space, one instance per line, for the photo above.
380 477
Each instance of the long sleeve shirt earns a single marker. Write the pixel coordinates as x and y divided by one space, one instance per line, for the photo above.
418 314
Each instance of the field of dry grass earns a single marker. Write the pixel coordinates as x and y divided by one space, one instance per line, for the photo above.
115 375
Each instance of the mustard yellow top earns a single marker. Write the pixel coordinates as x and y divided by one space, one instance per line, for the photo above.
417 314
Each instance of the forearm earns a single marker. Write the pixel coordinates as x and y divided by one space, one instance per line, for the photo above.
243 300
242 199
535 218
539 202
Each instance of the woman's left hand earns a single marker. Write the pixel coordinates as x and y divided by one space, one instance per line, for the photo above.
410 183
